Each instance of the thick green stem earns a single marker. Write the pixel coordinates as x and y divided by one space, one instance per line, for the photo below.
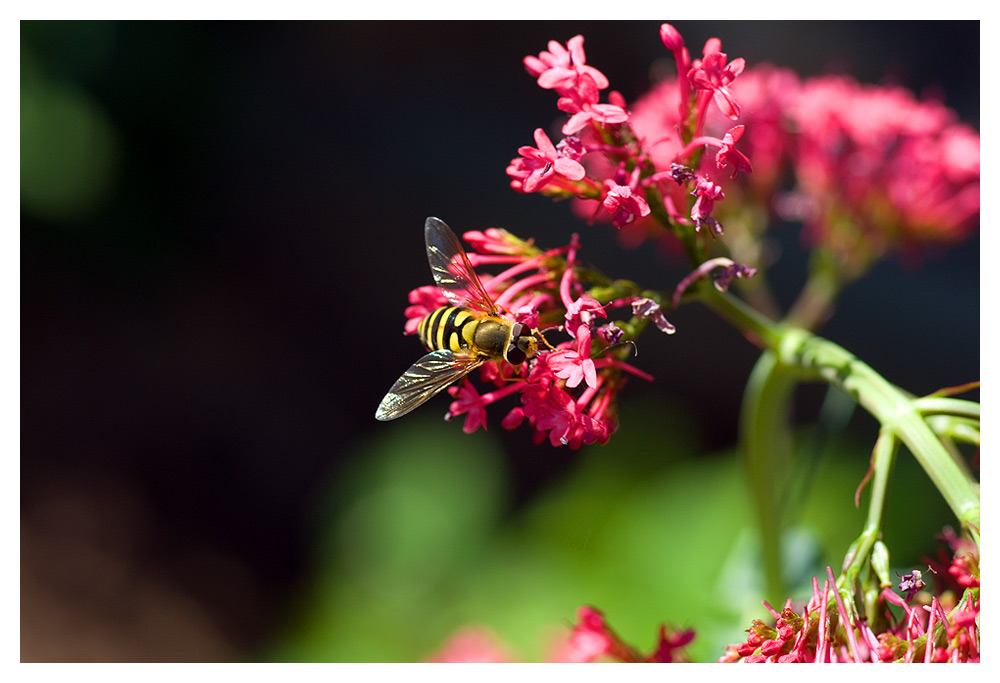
793 354
821 360
767 449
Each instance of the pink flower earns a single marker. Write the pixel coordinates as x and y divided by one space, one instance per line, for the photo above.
541 163
808 635
575 366
560 68
581 312
567 397
902 169
728 155
583 105
671 641
424 299
707 194
469 403
712 73
647 308
472 645
592 639
550 410
623 204
495 241
765 94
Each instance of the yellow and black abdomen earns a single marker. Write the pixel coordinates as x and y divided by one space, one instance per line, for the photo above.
449 327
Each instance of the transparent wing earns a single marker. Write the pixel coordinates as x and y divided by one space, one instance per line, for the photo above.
426 377
451 268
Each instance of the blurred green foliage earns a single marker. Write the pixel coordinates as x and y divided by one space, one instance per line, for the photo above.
416 542
68 144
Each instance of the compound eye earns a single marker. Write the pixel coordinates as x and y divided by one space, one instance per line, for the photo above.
514 355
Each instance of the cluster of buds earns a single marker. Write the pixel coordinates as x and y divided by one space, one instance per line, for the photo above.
931 628
590 640
568 392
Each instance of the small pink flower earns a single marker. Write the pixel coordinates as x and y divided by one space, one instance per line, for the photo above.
583 105
728 155
424 300
550 410
581 312
707 194
575 365
712 73
540 164
669 643
592 639
469 403
560 68
472 645
647 308
494 241
623 204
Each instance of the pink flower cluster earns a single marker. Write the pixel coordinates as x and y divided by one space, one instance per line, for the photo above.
904 170
896 171
567 394
591 640
873 167
926 631
624 179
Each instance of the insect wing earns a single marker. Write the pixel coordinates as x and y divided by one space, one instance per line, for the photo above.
426 377
452 270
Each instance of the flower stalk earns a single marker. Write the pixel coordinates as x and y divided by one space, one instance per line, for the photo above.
792 355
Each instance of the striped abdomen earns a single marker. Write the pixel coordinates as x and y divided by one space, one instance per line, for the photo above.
448 327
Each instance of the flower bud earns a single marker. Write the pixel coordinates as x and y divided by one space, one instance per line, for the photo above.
880 563
671 38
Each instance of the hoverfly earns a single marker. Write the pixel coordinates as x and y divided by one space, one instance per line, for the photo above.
461 336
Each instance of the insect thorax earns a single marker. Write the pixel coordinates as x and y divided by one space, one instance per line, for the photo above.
492 337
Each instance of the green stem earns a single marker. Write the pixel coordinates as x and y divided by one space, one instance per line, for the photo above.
933 405
815 303
760 329
883 458
793 354
767 450
821 360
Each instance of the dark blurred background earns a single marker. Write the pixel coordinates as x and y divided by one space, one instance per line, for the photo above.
219 225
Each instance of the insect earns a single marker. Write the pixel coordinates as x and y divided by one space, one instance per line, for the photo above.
461 336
